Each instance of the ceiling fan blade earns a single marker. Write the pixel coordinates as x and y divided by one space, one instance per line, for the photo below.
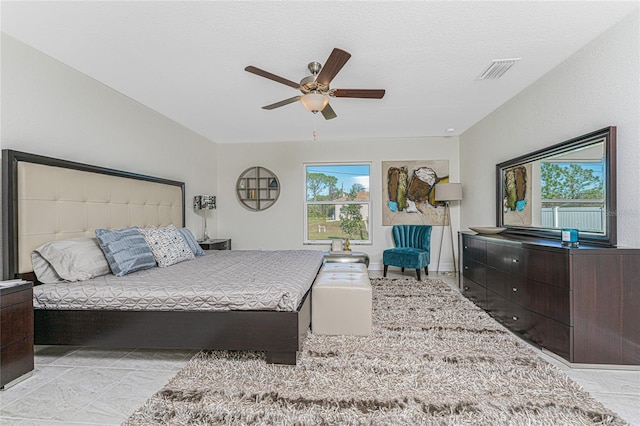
282 103
359 93
334 64
270 76
328 113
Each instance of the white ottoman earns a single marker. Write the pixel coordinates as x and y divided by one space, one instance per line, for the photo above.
341 303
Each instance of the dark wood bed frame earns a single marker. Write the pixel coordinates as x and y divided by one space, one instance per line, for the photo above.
279 334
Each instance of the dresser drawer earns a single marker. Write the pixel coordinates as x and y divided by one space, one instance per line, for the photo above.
549 267
505 257
16 295
501 282
512 315
550 334
474 292
17 323
474 249
475 271
16 359
543 299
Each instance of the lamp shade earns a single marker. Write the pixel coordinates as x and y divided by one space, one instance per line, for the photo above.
314 102
204 202
448 191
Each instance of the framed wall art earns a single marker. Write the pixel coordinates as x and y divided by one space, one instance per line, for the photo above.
408 193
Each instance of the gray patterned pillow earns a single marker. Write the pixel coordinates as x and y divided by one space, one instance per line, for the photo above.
125 250
167 245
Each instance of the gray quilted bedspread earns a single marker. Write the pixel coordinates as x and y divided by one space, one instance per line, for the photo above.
220 280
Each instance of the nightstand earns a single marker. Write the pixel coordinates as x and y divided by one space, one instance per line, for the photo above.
216 244
16 331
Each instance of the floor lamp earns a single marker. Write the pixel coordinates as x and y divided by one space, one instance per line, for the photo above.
447 192
204 203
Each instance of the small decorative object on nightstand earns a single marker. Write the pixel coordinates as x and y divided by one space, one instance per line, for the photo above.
216 244
16 330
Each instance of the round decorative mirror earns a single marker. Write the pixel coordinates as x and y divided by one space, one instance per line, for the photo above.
257 188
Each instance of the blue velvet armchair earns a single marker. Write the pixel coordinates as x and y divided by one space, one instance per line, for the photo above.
412 250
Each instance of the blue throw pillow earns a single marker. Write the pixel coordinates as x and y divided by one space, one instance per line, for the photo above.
126 250
191 241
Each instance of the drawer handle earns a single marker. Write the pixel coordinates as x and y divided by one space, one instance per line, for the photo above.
515 318
514 260
515 289
466 267
466 247
466 288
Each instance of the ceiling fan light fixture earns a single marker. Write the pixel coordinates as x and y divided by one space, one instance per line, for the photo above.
314 102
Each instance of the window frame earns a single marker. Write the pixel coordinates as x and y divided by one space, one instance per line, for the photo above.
306 202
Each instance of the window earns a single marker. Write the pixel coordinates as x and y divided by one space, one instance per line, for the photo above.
337 202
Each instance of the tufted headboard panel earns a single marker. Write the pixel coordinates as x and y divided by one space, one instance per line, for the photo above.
46 199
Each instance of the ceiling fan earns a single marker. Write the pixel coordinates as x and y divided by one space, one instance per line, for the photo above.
315 87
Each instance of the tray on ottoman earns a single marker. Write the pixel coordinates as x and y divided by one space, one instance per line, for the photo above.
346 257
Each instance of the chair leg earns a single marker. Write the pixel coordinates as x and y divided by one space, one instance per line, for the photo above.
384 274
426 270
418 274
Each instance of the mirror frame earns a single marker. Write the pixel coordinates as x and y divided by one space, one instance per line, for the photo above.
609 237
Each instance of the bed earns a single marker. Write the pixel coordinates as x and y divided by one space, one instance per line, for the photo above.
47 199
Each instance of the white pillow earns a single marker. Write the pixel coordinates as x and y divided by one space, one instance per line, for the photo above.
75 259
167 245
43 269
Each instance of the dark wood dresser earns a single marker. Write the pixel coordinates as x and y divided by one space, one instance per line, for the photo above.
16 331
580 303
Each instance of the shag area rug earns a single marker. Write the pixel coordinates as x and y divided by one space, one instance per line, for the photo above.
434 359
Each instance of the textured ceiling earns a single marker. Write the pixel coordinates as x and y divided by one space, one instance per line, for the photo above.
186 60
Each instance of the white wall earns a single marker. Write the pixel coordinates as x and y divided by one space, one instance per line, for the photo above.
281 226
51 109
597 87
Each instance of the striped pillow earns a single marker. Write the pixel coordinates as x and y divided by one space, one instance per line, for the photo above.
191 241
126 250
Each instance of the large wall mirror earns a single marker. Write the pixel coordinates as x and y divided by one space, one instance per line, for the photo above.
568 185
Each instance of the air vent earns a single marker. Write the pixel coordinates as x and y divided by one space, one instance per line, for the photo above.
497 68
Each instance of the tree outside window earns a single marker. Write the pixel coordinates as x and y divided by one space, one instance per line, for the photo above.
572 181
572 195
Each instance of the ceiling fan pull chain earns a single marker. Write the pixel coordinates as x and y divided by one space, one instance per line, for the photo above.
315 135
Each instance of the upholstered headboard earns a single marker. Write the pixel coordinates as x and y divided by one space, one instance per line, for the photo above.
46 199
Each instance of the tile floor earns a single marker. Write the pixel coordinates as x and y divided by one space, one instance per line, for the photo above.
89 386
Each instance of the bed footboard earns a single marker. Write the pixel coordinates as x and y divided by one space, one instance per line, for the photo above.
280 334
